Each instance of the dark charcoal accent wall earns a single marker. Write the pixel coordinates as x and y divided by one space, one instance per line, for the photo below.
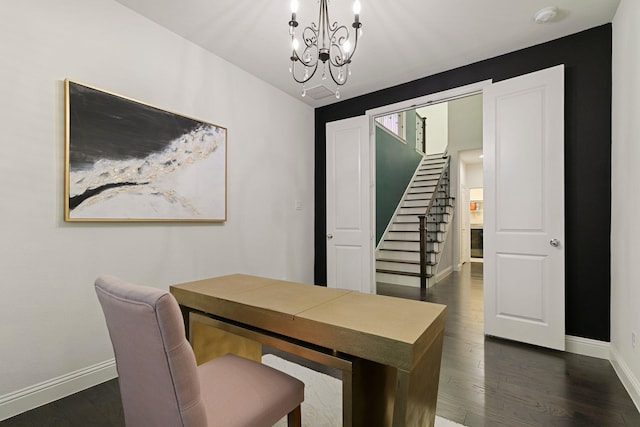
587 60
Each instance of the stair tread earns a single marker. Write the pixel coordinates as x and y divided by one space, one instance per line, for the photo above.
412 251
416 231
414 214
401 273
413 231
401 261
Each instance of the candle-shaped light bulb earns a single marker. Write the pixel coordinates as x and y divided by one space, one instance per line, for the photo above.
356 7
294 11
295 44
356 11
346 46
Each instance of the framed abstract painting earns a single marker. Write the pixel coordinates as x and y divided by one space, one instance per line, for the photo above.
126 160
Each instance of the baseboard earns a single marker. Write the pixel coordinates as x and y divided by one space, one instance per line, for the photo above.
587 347
629 381
444 273
28 398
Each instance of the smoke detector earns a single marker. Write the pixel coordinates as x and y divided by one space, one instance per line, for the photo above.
545 15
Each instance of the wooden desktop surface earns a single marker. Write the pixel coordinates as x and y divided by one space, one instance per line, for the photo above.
387 330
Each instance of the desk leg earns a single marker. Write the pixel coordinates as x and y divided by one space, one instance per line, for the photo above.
347 398
417 391
373 394
384 396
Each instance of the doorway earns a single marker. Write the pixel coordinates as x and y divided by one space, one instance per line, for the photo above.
471 206
452 125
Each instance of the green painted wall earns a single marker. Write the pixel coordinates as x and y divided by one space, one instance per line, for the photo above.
396 161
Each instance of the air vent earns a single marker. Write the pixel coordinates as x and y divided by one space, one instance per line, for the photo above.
319 92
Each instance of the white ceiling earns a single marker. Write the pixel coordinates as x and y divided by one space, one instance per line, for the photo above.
470 157
402 40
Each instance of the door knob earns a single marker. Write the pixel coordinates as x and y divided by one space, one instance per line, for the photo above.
554 242
329 236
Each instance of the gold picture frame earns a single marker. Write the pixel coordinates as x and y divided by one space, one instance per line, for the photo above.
126 160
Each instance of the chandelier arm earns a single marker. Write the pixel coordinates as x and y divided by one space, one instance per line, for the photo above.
338 38
310 35
356 26
336 80
310 63
303 80
347 58
310 38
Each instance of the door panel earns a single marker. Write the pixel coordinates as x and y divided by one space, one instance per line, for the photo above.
524 208
348 189
348 266
520 156
349 232
520 282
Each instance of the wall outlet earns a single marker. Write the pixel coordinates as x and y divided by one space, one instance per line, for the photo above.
633 339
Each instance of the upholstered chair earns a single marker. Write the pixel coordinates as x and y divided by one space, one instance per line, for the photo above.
160 383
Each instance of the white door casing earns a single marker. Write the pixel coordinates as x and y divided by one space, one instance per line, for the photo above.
524 282
349 211
465 228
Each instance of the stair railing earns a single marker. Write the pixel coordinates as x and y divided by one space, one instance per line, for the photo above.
423 231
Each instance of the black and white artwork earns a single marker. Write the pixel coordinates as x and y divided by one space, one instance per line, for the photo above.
130 161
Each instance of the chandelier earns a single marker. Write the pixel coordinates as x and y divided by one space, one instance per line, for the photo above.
324 43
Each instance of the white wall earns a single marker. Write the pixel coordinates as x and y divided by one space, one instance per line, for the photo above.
474 176
625 231
436 127
50 322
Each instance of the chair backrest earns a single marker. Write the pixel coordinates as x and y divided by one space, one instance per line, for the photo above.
156 365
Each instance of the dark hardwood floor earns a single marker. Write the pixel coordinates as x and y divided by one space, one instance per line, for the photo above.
492 382
97 406
483 381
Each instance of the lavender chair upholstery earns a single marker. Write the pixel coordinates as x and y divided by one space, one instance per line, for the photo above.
159 381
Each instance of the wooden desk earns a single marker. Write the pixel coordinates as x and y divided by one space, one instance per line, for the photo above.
389 349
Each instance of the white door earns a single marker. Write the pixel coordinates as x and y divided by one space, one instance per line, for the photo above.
465 233
349 232
524 208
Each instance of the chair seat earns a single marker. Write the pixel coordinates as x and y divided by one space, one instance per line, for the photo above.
240 392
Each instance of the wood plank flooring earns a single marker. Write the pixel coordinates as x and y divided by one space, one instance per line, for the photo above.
492 382
483 381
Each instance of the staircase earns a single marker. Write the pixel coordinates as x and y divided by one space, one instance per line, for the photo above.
398 254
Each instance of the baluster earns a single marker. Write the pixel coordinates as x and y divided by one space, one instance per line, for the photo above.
423 251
